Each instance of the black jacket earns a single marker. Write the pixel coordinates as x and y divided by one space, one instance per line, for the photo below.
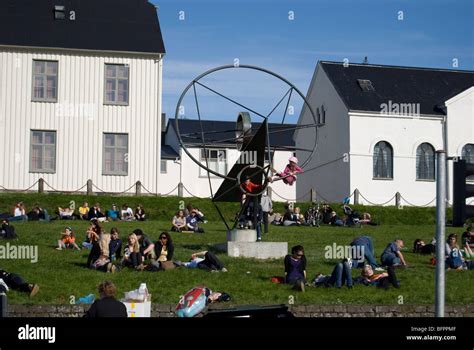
7 232
159 246
107 307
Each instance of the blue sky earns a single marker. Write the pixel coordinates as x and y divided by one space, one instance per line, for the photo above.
259 32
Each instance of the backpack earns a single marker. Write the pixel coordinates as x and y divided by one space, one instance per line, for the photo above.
192 303
454 259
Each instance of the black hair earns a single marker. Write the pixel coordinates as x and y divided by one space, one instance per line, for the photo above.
169 241
138 232
296 249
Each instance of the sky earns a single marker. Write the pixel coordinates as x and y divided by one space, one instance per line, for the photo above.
289 37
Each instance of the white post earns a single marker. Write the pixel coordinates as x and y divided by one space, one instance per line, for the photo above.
440 232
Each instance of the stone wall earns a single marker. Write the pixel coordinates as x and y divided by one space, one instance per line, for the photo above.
160 310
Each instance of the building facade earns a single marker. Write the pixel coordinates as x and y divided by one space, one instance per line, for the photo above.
77 103
379 128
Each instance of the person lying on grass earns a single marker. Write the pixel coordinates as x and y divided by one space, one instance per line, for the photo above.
341 275
381 280
16 282
295 268
205 260
68 240
392 256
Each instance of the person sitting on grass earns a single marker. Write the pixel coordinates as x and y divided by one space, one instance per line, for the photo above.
10 280
127 213
341 275
146 245
115 246
66 213
295 268
179 222
95 213
99 257
164 250
335 220
84 211
107 305
140 213
382 280
454 259
467 239
132 256
392 256
19 213
192 222
204 260
7 231
92 234
420 247
113 213
68 240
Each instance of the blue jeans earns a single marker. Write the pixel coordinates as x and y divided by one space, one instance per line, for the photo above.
369 252
18 218
342 274
390 259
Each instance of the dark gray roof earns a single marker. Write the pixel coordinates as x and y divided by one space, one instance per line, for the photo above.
426 86
104 25
167 152
224 130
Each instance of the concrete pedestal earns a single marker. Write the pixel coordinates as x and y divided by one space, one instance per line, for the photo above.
243 243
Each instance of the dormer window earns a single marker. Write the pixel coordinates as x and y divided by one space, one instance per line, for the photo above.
365 85
59 12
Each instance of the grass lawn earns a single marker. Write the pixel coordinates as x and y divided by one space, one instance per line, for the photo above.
62 274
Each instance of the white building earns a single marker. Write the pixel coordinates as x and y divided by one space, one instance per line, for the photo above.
221 157
380 127
80 94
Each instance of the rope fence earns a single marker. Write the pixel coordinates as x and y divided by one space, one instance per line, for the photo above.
310 196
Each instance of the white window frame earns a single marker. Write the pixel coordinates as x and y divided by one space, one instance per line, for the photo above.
114 172
44 77
203 172
43 145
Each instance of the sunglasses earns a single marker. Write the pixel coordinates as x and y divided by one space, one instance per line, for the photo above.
163 237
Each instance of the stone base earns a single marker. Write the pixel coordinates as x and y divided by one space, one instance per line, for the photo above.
257 250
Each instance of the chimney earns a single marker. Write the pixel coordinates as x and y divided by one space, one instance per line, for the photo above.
163 122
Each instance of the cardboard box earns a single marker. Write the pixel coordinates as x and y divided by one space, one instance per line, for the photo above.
138 308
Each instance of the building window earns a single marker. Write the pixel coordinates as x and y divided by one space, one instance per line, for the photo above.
163 166
45 81
116 84
216 160
365 85
323 115
467 154
318 116
115 154
425 162
43 151
383 161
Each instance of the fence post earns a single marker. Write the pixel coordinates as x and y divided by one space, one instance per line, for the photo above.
398 201
138 188
356 196
312 195
41 185
3 305
89 187
180 190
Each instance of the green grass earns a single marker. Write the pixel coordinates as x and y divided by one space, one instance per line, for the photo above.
62 274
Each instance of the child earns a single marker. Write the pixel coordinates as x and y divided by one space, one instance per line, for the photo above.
289 174
68 240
